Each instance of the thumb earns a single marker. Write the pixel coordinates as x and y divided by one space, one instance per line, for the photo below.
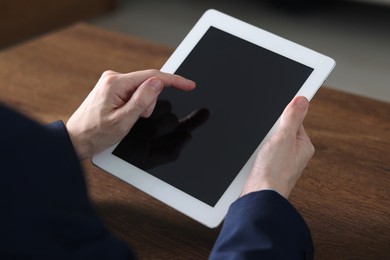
294 114
144 96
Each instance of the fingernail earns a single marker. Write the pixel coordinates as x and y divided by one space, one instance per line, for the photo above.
191 82
156 85
302 102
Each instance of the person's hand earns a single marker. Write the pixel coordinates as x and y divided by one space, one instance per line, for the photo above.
159 139
281 160
114 106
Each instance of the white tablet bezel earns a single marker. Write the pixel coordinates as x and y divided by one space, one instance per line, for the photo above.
177 199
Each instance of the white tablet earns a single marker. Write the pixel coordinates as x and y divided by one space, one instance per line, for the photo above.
245 77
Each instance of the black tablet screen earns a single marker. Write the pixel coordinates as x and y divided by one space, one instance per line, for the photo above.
241 91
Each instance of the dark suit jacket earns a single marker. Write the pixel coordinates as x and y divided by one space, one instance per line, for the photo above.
263 225
46 212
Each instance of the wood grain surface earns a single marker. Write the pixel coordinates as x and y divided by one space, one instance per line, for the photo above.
343 195
23 19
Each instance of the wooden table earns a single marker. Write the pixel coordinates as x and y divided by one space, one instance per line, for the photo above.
344 193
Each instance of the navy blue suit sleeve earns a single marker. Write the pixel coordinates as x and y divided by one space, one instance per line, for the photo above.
263 225
45 209
58 130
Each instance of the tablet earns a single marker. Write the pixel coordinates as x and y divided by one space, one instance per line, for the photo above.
196 149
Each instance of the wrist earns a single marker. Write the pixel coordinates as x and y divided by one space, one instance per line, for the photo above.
80 145
283 190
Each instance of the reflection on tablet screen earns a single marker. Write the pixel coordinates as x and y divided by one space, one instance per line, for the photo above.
160 138
241 91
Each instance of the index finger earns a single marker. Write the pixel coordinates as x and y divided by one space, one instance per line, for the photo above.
176 81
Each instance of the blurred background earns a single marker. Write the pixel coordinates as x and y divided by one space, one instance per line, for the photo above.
355 33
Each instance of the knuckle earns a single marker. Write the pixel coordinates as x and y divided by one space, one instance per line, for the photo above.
109 77
152 71
312 150
309 149
107 73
